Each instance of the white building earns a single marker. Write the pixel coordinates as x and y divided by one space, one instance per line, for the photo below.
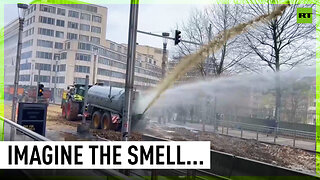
74 37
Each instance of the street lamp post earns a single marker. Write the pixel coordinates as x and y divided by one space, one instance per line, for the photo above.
131 55
164 53
32 69
95 51
56 57
21 14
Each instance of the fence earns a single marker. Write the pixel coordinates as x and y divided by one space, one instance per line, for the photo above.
269 130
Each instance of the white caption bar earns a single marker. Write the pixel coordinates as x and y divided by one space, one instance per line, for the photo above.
105 155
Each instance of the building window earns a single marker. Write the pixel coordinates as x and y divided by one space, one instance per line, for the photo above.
43 67
83 57
84 27
96 18
85 16
46 32
60 23
59 34
112 46
29 21
42 78
46 20
82 69
63 55
24 78
95 40
47 8
84 46
61 12
95 29
80 80
72 25
44 55
83 38
43 43
28 32
104 61
119 49
27 43
68 45
72 36
31 9
26 55
25 66
59 79
74 14
62 68
115 74
58 45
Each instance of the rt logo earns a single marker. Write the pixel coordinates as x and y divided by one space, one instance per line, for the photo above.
304 15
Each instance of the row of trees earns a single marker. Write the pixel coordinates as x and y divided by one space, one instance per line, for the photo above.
278 45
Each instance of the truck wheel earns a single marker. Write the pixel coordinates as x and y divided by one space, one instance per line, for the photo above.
72 111
106 121
96 120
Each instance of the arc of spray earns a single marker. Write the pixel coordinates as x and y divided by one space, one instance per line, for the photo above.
189 61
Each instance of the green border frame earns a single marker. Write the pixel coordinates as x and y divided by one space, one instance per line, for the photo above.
2 3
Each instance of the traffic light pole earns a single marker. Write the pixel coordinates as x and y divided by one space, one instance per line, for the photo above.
171 38
164 59
16 79
38 84
55 94
131 53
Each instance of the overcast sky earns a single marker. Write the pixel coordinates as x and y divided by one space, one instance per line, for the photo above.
155 18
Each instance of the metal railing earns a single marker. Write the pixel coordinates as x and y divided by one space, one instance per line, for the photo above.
267 130
25 134
22 133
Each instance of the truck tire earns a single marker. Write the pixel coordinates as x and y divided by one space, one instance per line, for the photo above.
106 122
96 120
72 111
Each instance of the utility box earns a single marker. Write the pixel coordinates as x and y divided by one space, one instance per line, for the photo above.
33 116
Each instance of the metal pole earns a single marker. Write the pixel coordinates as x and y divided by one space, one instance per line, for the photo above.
133 23
38 84
164 54
164 59
85 100
215 123
157 35
55 81
32 69
16 79
294 138
94 68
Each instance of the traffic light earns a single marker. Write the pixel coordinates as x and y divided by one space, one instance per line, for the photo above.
40 89
177 37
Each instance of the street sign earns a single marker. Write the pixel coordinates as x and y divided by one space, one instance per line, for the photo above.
33 116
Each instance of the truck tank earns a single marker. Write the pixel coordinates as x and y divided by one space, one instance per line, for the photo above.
104 98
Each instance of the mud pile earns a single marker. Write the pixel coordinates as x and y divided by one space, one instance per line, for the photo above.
284 156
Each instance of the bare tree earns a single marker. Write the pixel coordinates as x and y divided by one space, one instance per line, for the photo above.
201 27
280 43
